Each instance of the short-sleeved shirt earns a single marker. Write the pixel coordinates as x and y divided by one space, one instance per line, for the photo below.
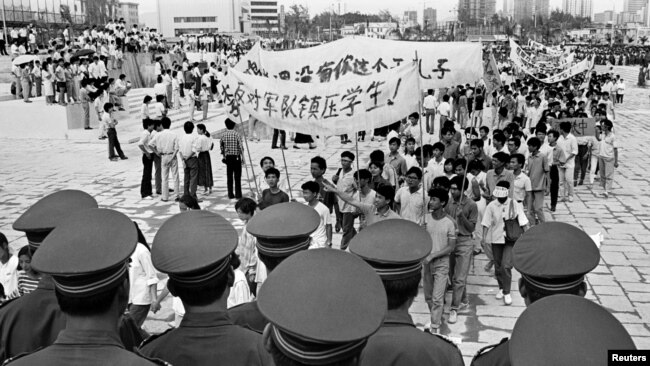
537 169
372 216
269 198
492 178
319 236
412 204
522 185
231 143
345 184
398 162
607 145
569 145
495 212
367 199
469 211
451 150
441 231
165 142
145 138
142 274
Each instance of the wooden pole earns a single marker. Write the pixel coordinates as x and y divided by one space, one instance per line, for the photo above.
286 169
241 124
424 189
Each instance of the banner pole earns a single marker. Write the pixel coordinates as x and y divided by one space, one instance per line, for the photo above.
424 190
250 160
286 169
356 148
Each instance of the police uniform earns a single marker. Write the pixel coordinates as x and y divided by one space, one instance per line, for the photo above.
396 249
34 320
322 305
566 330
195 249
281 230
86 254
552 257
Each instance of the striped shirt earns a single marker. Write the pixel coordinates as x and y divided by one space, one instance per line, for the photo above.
26 283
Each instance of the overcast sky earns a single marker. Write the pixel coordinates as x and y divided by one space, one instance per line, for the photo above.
446 8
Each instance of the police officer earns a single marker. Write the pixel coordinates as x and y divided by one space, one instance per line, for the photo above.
567 330
196 249
87 256
322 306
281 230
34 320
553 258
396 249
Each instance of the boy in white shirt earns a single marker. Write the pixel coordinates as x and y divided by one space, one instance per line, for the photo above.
322 237
113 143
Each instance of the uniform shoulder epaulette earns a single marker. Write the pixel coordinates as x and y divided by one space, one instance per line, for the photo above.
20 355
151 338
8 301
490 347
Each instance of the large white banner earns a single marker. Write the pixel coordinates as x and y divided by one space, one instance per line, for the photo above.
352 104
440 64
521 60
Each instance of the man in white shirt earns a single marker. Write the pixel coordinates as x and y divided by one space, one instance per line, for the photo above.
322 237
97 69
188 151
143 279
444 110
569 144
165 145
147 159
429 104
410 201
523 190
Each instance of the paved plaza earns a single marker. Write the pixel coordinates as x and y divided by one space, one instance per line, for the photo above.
31 169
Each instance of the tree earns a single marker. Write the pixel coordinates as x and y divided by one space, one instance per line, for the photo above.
297 22
98 12
643 39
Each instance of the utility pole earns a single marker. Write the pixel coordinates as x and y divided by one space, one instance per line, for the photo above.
4 24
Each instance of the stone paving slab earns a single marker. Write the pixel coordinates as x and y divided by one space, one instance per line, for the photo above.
621 282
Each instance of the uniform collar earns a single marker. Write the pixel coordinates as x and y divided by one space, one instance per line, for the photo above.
398 317
86 337
203 320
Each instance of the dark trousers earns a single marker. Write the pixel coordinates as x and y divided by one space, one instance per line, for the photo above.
139 313
3 48
147 167
114 144
191 176
555 184
283 137
503 265
582 161
158 177
348 229
233 172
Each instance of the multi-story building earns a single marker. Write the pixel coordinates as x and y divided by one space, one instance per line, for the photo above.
173 18
129 12
411 17
578 8
530 9
264 17
509 8
19 13
476 11
605 17
430 17
632 6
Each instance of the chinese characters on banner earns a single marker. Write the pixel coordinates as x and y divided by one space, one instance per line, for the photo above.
334 108
440 64
519 57
580 126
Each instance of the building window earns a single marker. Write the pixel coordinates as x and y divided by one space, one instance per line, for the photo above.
265 17
255 11
264 3
195 31
194 19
